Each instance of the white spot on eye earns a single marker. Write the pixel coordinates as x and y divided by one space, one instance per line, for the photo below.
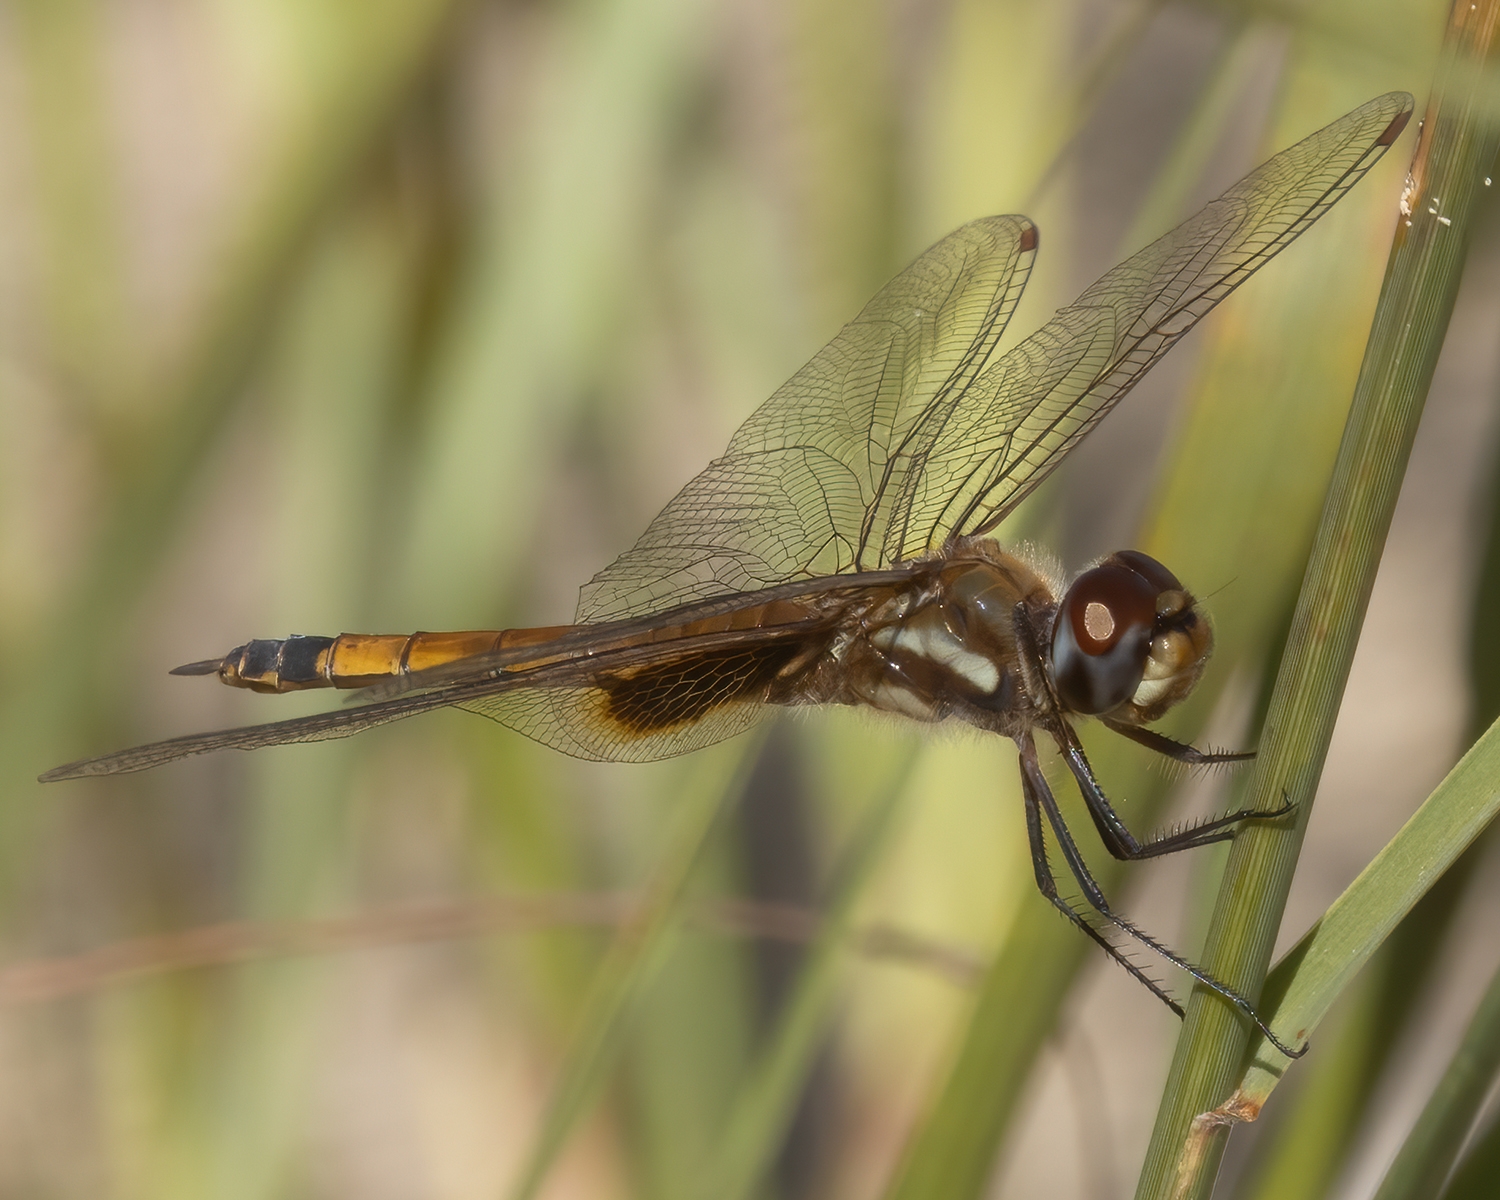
1098 621
941 647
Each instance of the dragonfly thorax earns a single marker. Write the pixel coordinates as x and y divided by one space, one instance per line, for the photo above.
949 646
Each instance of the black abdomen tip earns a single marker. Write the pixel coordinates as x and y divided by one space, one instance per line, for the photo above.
207 666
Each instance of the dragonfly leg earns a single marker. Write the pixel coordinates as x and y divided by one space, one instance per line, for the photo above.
1116 836
1047 885
1178 751
1039 796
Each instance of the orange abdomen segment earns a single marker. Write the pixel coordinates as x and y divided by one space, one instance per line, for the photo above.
354 660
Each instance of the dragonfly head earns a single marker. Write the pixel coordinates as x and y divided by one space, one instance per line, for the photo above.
1128 640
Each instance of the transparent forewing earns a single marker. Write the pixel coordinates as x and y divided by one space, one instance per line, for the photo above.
807 486
897 436
1027 410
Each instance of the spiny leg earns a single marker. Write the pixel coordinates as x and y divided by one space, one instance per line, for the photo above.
1114 833
1047 885
1039 794
1175 750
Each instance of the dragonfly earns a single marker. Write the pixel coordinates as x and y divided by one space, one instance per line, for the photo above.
839 551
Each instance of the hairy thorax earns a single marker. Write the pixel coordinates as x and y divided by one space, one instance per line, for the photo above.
959 641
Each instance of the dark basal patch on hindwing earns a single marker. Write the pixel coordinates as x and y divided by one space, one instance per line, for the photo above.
666 695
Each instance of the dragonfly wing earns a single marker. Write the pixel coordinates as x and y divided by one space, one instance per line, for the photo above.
628 703
658 710
320 727
1026 411
804 488
570 720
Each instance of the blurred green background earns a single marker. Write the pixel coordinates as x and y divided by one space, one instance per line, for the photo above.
324 315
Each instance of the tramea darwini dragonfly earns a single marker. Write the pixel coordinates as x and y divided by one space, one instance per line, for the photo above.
838 552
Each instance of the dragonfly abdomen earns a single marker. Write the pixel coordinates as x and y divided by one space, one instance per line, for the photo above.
353 660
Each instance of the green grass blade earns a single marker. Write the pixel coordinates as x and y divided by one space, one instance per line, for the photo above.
358 107
1476 1175
1484 630
1411 318
1426 1157
60 51
1312 976
635 956
1310 1141
767 1103
1222 97
191 404
1014 1015
1300 1157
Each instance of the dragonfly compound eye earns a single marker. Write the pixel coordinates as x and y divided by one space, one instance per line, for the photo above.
1128 640
1147 568
1102 637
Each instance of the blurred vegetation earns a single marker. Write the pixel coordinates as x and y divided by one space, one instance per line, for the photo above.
327 315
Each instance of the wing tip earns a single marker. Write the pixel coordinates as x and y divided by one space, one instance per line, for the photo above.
1398 122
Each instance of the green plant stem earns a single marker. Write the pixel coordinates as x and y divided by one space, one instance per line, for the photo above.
1427 1156
1476 1174
767 1102
635 957
1422 276
1313 1138
153 462
1318 968
1015 1013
